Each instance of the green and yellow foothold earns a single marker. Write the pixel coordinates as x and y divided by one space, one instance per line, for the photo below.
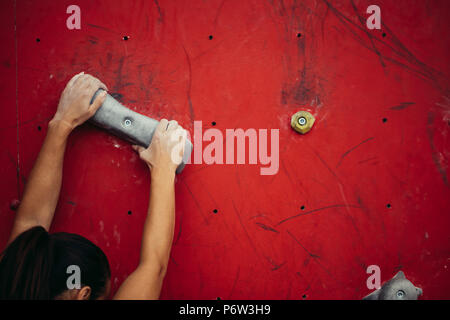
302 121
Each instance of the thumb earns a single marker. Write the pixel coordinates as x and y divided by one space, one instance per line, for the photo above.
97 102
137 148
183 139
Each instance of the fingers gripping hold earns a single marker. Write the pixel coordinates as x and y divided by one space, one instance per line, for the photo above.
162 127
97 102
173 125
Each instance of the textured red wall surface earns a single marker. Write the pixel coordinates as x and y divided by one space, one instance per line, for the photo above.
255 72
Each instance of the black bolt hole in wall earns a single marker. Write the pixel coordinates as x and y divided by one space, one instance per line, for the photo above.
14 205
218 298
215 211
304 296
126 38
213 123
302 208
299 35
38 40
130 213
384 120
388 206
383 35
210 37
39 128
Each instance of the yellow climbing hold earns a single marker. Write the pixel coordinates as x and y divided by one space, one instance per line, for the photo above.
302 121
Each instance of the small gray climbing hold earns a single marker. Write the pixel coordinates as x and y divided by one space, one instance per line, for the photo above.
398 288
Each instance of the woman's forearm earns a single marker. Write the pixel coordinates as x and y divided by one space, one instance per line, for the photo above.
146 281
44 182
159 225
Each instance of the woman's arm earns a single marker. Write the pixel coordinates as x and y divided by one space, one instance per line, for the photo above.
44 182
163 156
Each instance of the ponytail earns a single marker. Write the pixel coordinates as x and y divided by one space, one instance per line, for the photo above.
34 265
26 266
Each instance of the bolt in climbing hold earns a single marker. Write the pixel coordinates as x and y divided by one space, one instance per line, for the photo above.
127 123
302 121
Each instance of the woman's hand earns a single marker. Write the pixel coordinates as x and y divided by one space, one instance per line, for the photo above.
166 149
74 105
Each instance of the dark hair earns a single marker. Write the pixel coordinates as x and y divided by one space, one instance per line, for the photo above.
34 265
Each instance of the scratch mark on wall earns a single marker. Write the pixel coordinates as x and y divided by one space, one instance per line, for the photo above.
179 230
234 282
315 257
317 210
196 202
434 152
402 106
188 93
218 13
252 244
351 149
369 35
266 227
325 164
161 15
410 63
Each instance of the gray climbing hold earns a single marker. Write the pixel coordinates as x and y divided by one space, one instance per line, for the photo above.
129 125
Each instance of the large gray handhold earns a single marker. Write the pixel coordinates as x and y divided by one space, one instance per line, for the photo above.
129 125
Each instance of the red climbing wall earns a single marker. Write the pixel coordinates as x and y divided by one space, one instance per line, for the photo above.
372 174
